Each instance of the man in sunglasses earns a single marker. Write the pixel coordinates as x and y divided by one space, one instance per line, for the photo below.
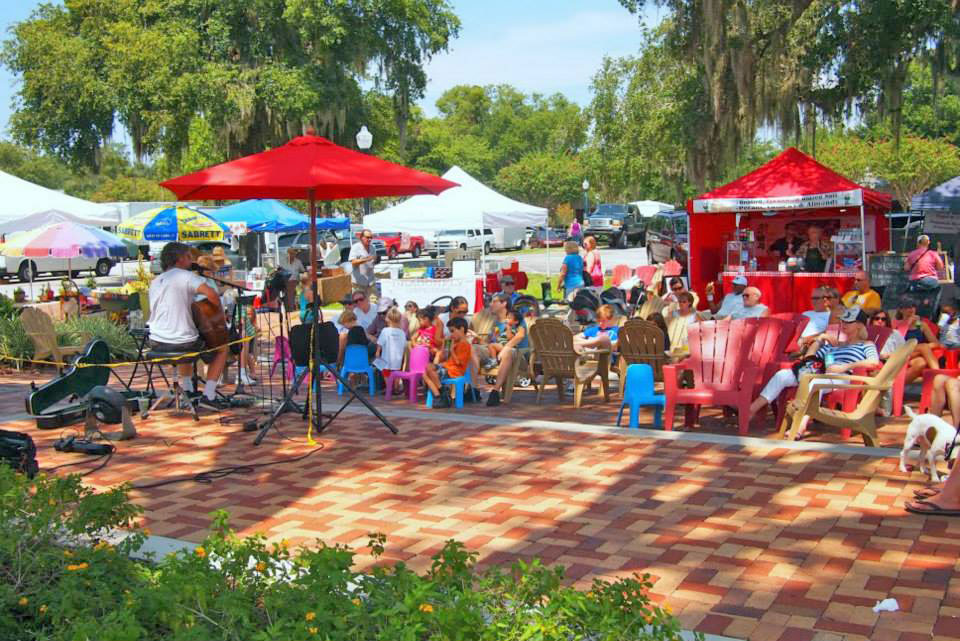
826 310
862 295
363 258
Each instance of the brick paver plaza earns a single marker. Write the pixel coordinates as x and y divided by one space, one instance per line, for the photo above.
749 538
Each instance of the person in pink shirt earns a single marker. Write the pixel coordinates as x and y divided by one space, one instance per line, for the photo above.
924 265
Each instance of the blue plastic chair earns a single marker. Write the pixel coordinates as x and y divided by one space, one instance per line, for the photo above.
356 361
459 383
637 391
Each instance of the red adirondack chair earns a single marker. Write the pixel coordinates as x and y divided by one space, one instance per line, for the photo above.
620 274
799 324
722 372
769 345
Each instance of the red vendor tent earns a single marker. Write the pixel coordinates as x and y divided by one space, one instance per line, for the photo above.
791 184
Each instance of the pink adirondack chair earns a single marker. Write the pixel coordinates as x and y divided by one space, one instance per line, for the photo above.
722 372
620 274
419 357
799 324
646 272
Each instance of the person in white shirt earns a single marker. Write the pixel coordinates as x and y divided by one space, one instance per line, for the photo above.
366 313
172 329
363 261
391 344
826 310
752 307
949 324
732 303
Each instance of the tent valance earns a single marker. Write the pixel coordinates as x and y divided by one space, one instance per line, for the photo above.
459 207
261 214
792 180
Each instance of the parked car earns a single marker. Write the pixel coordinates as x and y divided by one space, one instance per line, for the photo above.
668 237
400 243
301 242
447 239
547 237
23 265
617 224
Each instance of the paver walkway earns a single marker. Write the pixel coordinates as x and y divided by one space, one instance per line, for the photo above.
753 541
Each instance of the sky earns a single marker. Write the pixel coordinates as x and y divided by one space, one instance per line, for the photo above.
543 46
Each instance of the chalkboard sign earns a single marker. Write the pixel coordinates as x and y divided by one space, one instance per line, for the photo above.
886 270
887 275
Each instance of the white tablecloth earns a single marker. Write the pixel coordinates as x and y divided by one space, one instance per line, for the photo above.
424 291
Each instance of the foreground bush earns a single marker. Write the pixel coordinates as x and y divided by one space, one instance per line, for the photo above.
60 581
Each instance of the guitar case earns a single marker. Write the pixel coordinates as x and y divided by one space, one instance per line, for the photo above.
73 384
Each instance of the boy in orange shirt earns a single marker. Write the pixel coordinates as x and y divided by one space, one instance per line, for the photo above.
458 359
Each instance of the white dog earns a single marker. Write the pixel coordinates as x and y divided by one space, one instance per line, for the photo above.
933 435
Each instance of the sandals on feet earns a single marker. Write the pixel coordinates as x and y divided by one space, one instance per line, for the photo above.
921 506
926 493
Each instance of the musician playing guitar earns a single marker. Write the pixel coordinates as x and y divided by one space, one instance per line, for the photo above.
172 326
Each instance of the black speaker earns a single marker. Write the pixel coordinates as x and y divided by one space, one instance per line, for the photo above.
328 343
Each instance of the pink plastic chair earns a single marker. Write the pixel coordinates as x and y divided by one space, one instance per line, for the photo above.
282 354
620 274
419 357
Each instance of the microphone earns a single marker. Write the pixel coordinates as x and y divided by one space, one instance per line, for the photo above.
197 267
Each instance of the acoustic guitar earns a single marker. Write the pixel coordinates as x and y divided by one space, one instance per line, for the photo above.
211 322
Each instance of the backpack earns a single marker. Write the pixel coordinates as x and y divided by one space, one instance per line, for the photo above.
18 451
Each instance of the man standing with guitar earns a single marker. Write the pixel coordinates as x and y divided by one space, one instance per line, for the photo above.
172 325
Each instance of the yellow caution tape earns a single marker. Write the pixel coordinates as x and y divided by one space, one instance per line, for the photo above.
183 356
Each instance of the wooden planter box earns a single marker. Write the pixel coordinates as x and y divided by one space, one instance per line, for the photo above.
332 289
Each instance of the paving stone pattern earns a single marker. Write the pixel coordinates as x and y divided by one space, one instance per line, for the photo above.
753 543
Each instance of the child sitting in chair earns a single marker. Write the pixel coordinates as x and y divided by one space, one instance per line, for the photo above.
391 344
455 366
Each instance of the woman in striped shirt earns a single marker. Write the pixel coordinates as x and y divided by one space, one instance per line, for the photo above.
837 359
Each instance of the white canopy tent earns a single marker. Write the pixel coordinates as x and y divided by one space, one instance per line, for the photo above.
650 208
471 205
22 198
33 221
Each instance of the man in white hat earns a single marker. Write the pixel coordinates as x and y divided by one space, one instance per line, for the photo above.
732 304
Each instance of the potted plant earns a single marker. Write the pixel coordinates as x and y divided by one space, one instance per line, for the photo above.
19 296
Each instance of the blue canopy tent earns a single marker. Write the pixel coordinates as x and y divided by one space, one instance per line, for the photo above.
945 196
270 215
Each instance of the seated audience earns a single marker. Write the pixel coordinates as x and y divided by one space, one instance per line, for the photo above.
670 298
509 289
912 326
732 303
347 303
949 324
679 320
752 307
603 334
511 335
380 322
657 319
351 334
862 295
826 311
857 351
456 363
366 313
896 339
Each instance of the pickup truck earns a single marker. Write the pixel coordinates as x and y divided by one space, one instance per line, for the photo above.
399 243
619 225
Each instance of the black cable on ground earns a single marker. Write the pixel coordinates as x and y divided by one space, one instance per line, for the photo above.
209 476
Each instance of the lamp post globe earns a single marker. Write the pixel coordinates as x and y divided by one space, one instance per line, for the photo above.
364 142
364 138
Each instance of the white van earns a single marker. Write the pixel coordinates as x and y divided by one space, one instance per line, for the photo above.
21 266
493 239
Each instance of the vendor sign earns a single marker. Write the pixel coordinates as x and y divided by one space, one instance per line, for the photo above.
941 222
851 198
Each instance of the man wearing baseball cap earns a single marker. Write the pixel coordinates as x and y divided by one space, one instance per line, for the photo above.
732 303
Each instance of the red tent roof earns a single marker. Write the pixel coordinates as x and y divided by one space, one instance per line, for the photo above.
304 168
789 175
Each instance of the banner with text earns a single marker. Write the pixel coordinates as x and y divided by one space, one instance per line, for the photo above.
851 198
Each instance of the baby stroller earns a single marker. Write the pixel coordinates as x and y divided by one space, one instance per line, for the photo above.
584 306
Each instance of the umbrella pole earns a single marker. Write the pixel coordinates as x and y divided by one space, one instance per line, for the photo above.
315 321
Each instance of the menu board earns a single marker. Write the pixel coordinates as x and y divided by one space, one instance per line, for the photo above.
886 269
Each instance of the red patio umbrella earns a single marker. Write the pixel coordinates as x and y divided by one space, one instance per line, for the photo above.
306 168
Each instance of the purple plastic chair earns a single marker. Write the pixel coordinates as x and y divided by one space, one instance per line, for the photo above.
282 354
419 357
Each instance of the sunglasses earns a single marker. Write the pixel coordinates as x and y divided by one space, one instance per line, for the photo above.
678 288
880 318
817 297
458 311
358 300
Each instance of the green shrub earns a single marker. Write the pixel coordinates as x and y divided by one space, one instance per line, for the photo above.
7 309
14 341
78 330
244 588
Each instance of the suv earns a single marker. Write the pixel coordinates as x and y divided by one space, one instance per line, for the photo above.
620 225
301 242
447 239
668 237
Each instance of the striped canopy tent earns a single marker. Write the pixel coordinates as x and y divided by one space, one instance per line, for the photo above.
167 224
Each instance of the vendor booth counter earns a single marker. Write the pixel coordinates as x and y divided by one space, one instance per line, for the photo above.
785 292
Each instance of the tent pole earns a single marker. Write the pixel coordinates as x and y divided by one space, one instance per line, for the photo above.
315 306
863 236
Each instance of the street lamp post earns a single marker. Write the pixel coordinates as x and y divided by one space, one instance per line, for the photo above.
586 202
364 142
